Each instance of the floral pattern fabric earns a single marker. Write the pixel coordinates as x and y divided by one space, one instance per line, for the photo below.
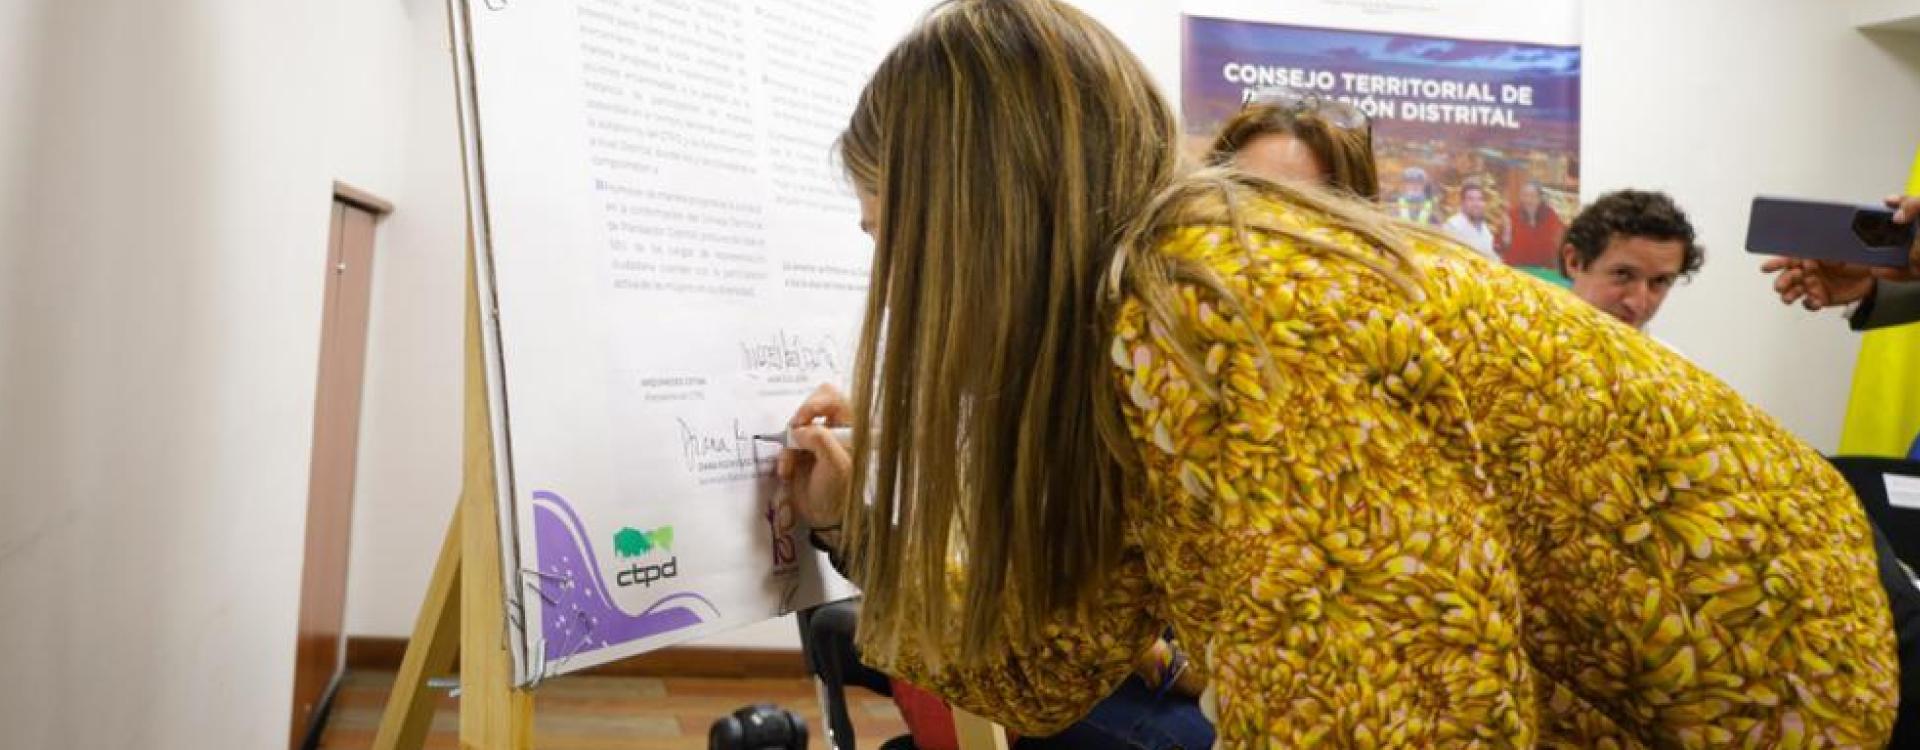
1483 515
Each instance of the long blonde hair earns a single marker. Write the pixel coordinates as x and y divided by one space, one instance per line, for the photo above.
1023 164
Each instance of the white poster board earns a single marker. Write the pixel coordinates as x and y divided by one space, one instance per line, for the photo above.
674 261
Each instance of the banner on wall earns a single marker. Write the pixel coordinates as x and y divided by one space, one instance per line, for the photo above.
1458 94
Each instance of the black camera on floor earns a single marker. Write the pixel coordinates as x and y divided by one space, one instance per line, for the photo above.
759 727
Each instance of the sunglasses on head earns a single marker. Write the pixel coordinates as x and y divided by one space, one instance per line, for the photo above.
1330 111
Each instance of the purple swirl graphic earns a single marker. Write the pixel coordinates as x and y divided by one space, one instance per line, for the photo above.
580 613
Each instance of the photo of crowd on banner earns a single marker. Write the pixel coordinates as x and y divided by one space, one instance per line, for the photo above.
1512 203
1480 139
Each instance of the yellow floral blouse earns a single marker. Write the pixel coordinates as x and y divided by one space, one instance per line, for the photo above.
1490 516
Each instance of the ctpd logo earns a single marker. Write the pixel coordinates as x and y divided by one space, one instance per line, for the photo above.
631 543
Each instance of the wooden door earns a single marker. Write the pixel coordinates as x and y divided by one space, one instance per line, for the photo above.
336 429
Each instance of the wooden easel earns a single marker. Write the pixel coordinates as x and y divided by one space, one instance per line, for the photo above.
463 614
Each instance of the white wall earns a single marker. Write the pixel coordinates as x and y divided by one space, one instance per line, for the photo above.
165 181
19 86
163 263
1717 101
410 429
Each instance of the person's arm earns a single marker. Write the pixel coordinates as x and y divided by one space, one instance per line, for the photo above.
1888 304
1034 688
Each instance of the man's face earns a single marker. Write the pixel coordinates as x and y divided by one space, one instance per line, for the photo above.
1413 187
1474 204
1630 278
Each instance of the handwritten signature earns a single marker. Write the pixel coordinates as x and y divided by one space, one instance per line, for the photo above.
699 447
786 353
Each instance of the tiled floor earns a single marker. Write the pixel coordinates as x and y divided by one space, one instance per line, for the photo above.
603 713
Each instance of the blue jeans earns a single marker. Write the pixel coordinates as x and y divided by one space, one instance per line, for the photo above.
1133 719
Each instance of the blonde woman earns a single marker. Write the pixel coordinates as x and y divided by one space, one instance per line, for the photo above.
1387 493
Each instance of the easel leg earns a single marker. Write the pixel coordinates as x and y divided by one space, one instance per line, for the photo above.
493 714
430 652
463 611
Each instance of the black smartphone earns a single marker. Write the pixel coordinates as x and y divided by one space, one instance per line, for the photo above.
1819 230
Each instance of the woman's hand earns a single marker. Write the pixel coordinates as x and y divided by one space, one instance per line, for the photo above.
816 469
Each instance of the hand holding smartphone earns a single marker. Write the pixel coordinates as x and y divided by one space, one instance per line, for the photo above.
1832 232
1830 254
